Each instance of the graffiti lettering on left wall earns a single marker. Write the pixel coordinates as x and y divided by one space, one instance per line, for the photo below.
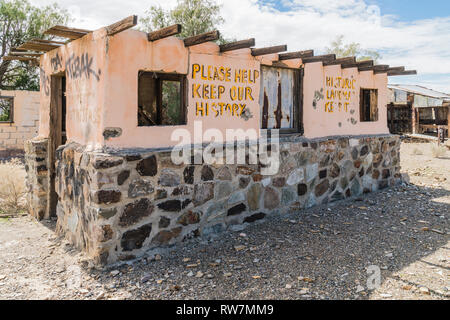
79 66
45 82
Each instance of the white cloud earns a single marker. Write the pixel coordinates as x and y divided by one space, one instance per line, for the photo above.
310 24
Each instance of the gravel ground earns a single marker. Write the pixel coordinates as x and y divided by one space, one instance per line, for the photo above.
327 252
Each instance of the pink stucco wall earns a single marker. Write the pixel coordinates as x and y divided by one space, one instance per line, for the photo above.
319 122
105 94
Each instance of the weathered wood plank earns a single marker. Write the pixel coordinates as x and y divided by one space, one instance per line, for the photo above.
165 32
322 58
380 68
268 50
54 42
38 46
296 55
121 25
402 73
346 60
66 32
242 44
18 58
202 38
25 54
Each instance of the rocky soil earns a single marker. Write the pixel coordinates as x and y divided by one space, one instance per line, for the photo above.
327 252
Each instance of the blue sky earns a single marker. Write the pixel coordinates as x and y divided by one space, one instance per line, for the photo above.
414 34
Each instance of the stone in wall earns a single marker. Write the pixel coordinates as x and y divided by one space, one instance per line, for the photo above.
133 202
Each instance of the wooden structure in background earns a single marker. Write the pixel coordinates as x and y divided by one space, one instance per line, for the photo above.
417 110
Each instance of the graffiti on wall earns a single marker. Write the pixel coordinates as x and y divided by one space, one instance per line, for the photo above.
76 66
339 92
223 91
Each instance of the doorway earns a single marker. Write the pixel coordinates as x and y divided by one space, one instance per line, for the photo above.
57 136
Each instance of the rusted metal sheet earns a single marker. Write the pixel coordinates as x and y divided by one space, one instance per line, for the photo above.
277 98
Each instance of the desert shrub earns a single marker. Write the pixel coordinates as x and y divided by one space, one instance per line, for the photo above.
438 151
12 185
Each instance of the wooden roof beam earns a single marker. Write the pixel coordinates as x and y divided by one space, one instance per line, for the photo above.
65 32
268 50
35 46
402 73
19 58
242 44
25 54
202 38
164 32
52 42
121 25
346 60
296 55
380 68
322 58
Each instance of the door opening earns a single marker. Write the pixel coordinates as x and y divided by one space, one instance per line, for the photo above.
57 136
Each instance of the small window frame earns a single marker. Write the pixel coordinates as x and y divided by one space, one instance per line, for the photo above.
11 113
182 79
373 116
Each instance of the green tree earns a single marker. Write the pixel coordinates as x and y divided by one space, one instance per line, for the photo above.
19 22
195 16
343 50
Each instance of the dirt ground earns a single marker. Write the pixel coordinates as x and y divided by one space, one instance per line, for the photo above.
393 244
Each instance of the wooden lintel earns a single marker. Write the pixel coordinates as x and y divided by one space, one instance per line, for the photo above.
346 60
268 50
296 55
242 44
402 73
322 58
121 25
164 32
202 38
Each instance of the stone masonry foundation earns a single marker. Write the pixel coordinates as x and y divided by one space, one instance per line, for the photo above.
117 205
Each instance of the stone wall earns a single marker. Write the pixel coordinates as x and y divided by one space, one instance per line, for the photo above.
115 206
37 177
25 122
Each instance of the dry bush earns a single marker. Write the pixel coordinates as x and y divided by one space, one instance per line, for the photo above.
12 185
438 151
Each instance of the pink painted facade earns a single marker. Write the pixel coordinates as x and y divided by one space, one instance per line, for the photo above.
102 90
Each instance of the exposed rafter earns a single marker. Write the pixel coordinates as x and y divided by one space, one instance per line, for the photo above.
381 68
242 44
402 73
122 25
66 32
268 50
346 60
202 38
165 32
322 58
296 55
